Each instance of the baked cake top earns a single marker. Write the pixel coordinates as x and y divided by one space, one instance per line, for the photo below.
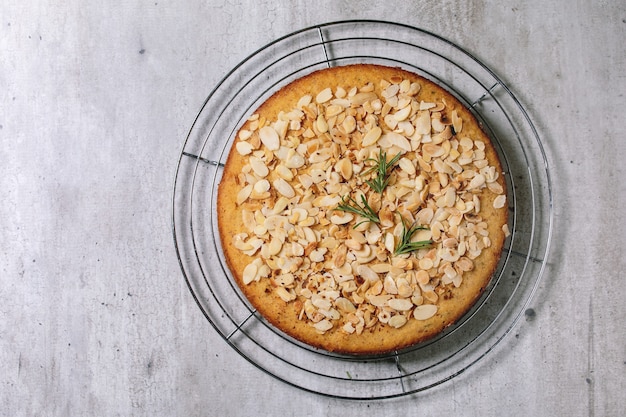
362 209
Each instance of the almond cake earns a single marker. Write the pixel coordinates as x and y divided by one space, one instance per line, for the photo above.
362 209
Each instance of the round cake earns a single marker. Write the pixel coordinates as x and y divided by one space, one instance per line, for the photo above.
362 209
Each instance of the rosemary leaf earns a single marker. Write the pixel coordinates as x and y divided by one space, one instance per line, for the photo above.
406 245
349 204
382 168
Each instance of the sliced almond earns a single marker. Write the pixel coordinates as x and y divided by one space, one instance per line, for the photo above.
379 300
244 148
324 96
402 114
259 167
341 218
407 166
404 288
243 194
261 186
400 304
397 321
345 305
422 123
249 273
323 325
389 285
284 188
372 136
321 124
499 201
367 273
425 311
398 140
284 172
457 122
285 280
294 160
349 124
269 137
360 98
344 167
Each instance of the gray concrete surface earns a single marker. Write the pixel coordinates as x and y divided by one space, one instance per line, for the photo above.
95 100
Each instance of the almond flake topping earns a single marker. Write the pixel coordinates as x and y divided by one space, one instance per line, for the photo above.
342 267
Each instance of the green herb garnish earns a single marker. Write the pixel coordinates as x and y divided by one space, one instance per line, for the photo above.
364 211
382 168
406 245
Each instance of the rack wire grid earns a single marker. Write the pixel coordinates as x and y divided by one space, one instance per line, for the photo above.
423 366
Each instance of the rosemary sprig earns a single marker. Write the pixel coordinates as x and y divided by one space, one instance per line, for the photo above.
381 167
406 245
349 204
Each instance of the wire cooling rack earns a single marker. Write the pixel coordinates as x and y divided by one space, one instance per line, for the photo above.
426 365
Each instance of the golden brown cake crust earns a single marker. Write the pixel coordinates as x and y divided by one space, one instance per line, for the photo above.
452 301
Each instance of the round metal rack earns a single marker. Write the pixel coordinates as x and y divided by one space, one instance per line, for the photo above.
423 366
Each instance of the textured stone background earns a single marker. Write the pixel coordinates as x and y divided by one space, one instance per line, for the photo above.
95 100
